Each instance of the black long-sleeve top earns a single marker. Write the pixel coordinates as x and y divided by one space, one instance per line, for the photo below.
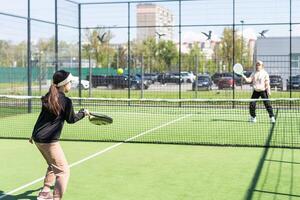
49 126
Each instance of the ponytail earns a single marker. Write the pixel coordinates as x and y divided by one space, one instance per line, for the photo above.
52 100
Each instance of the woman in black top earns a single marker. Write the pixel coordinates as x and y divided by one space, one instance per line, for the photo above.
56 108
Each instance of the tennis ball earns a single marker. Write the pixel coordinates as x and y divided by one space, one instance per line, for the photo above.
120 71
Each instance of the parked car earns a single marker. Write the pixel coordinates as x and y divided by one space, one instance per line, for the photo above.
218 76
225 82
237 78
113 82
169 78
295 83
151 77
276 82
248 73
188 77
203 82
137 83
84 84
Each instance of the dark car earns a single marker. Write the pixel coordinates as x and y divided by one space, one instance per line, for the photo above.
217 76
239 80
113 82
276 82
203 82
295 83
225 82
151 77
169 78
137 83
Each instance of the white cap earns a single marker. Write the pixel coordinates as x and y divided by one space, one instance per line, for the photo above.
67 80
260 62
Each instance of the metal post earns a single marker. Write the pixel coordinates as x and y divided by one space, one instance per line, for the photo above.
179 59
142 77
90 74
128 51
38 64
242 42
29 67
56 37
118 55
79 49
233 49
196 81
290 58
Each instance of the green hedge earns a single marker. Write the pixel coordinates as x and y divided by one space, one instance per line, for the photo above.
19 74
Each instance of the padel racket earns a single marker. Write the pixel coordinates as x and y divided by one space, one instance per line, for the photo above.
238 69
100 119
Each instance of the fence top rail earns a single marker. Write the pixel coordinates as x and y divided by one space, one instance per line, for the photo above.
134 1
154 100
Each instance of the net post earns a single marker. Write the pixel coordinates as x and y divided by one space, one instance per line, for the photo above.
29 63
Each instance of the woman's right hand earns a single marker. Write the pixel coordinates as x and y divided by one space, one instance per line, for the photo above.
85 111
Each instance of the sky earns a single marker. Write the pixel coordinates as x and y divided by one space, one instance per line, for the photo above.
203 12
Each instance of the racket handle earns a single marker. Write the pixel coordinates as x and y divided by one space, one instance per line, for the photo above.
85 111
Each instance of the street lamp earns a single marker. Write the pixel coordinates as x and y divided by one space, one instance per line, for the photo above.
242 42
87 46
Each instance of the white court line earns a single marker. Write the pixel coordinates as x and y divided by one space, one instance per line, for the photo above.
97 154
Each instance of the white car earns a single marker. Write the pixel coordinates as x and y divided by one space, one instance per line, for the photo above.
84 83
188 77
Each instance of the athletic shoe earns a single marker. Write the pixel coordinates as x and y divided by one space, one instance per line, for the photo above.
273 120
252 119
45 196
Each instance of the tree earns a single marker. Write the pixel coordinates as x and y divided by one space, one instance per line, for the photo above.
167 55
120 57
6 53
149 52
225 49
100 50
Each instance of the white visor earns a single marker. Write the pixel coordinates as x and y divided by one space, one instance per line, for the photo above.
67 80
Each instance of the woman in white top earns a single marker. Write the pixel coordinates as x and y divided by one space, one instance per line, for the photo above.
261 88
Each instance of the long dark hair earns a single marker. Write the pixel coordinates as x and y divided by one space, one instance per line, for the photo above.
51 100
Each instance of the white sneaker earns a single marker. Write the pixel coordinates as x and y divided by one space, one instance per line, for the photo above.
45 196
252 119
272 119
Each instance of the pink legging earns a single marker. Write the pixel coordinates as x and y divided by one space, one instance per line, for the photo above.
58 171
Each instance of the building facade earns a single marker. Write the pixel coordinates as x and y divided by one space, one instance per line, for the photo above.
154 21
275 53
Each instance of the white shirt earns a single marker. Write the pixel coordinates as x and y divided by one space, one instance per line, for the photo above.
260 80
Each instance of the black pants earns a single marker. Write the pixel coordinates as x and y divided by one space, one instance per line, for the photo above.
263 95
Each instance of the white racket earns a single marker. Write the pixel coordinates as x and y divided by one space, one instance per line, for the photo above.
238 69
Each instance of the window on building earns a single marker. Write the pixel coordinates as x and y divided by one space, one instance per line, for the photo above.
296 60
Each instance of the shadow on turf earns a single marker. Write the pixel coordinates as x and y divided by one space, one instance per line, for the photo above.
275 192
235 120
223 120
265 161
228 120
28 195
